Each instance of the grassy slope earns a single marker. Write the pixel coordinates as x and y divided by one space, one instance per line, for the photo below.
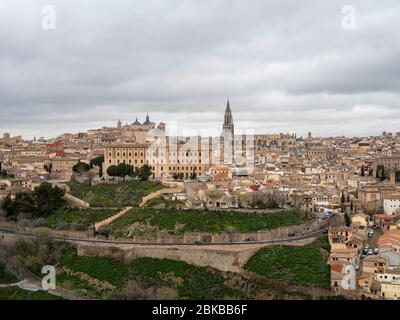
81 217
128 193
208 221
15 293
302 265
5 277
198 282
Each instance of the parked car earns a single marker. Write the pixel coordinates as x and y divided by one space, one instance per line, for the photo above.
199 243
376 250
370 251
365 251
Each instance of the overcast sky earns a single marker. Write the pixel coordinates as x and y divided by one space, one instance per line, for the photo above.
286 67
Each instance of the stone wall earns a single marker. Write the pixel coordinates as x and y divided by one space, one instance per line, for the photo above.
218 257
76 202
109 220
225 237
158 194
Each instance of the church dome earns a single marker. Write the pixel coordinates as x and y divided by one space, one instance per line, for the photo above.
137 123
147 122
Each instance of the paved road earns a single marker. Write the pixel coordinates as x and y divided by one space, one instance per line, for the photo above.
116 242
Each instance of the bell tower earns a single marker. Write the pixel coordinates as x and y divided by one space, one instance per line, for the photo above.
228 136
228 126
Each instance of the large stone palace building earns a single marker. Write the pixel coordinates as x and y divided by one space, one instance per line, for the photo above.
146 143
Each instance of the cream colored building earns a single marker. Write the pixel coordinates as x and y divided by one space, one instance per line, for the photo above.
391 290
391 204
165 159
63 167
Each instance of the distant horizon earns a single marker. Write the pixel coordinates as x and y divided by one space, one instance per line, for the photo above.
214 132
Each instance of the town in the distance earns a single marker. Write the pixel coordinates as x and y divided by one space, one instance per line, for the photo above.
133 212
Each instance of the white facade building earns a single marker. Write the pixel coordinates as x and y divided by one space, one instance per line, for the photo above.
391 204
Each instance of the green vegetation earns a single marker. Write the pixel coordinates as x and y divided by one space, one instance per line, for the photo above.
81 167
77 219
257 199
397 176
126 193
176 221
37 253
190 281
15 293
5 277
101 268
4 173
380 172
40 203
78 285
124 170
161 203
141 278
299 265
98 162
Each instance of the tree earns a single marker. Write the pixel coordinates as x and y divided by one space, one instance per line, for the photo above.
136 172
145 173
8 206
380 172
47 199
397 176
98 162
40 203
362 171
48 167
112 171
343 199
193 175
81 167
124 170
347 220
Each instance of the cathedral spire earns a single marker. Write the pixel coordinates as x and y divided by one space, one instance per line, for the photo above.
228 133
228 106
228 125
147 120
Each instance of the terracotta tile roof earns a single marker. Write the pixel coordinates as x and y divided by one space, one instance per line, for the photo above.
390 238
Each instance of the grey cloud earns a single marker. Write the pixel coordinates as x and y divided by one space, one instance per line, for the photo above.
287 66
